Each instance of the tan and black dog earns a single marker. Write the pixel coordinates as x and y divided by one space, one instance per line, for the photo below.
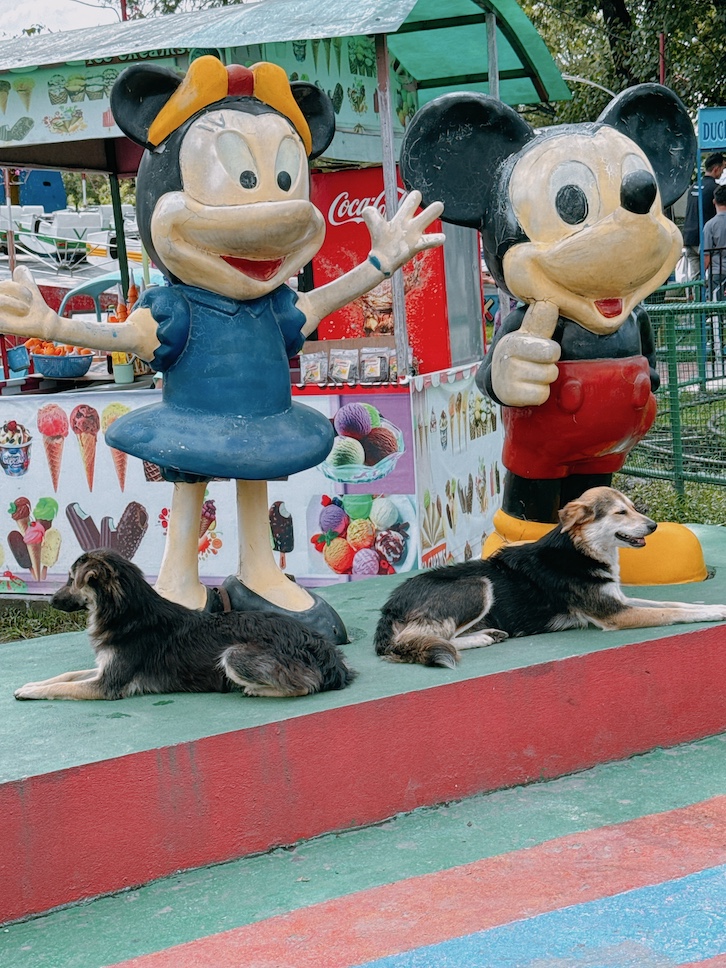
567 579
147 644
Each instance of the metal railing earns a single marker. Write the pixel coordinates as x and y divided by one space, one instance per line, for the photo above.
688 440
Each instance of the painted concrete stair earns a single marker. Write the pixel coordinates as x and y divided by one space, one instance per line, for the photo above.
98 797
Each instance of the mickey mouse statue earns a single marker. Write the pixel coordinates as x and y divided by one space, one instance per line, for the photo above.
573 226
223 209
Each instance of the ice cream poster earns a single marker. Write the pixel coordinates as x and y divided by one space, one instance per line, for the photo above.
66 102
459 439
64 491
354 516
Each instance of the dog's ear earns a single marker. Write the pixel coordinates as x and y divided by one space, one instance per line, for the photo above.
87 574
574 513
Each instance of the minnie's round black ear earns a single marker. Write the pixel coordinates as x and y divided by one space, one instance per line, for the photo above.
137 96
656 119
453 150
319 113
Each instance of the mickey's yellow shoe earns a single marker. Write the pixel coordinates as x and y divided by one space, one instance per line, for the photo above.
672 554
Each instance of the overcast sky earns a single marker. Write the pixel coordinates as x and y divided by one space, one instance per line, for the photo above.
53 14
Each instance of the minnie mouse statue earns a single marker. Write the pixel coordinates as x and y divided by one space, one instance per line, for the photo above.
224 211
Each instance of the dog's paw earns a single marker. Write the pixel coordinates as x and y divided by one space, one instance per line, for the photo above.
31 690
496 635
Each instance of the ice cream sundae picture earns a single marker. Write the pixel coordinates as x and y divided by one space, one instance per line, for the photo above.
366 447
363 535
15 443
35 542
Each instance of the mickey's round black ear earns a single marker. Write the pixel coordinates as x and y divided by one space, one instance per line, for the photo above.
657 121
319 113
138 95
453 150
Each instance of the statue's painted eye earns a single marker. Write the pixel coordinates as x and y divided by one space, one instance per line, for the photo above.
288 163
237 159
571 204
574 193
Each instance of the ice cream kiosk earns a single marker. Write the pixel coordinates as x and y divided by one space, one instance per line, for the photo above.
412 474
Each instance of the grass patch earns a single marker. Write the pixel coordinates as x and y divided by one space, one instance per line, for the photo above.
30 622
700 504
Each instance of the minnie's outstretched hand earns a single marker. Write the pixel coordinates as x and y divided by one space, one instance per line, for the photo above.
23 311
396 241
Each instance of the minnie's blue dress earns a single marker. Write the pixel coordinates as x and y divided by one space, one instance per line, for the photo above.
226 408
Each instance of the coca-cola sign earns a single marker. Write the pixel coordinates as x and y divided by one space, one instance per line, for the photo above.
344 209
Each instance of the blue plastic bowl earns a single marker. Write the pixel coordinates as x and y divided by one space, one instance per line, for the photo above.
62 367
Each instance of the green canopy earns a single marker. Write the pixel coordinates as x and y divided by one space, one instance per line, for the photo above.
441 44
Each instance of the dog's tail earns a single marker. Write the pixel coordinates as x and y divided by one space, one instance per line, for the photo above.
423 643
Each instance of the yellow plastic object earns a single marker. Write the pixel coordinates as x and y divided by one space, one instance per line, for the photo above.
672 554
509 530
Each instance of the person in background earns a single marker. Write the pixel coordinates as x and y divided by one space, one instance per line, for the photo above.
714 245
713 167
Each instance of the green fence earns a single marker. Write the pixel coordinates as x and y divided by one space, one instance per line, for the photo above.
688 440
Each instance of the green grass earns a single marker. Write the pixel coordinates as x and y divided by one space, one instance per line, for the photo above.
700 504
29 622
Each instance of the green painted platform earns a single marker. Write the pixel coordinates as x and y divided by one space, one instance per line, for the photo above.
43 737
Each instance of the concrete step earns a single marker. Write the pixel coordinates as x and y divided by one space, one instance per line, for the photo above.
619 866
97 797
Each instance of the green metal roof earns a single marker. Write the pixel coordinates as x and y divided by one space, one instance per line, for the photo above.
441 43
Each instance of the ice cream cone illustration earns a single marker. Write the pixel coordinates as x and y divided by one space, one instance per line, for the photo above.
326 46
19 511
85 424
45 512
315 44
120 460
24 88
4 91
33 539
53 425
208 517
338 48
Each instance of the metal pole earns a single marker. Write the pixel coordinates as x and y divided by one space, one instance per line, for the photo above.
11 231
493 74
674 406
118 220
390 186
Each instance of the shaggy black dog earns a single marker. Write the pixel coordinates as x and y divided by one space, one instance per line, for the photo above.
146 644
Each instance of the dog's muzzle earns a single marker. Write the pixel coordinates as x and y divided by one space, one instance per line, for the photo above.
65 601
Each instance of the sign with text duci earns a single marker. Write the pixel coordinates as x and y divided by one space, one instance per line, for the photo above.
711 128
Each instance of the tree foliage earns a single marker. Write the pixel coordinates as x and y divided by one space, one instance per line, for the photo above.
616 43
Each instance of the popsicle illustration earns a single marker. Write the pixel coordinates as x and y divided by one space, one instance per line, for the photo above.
283 533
